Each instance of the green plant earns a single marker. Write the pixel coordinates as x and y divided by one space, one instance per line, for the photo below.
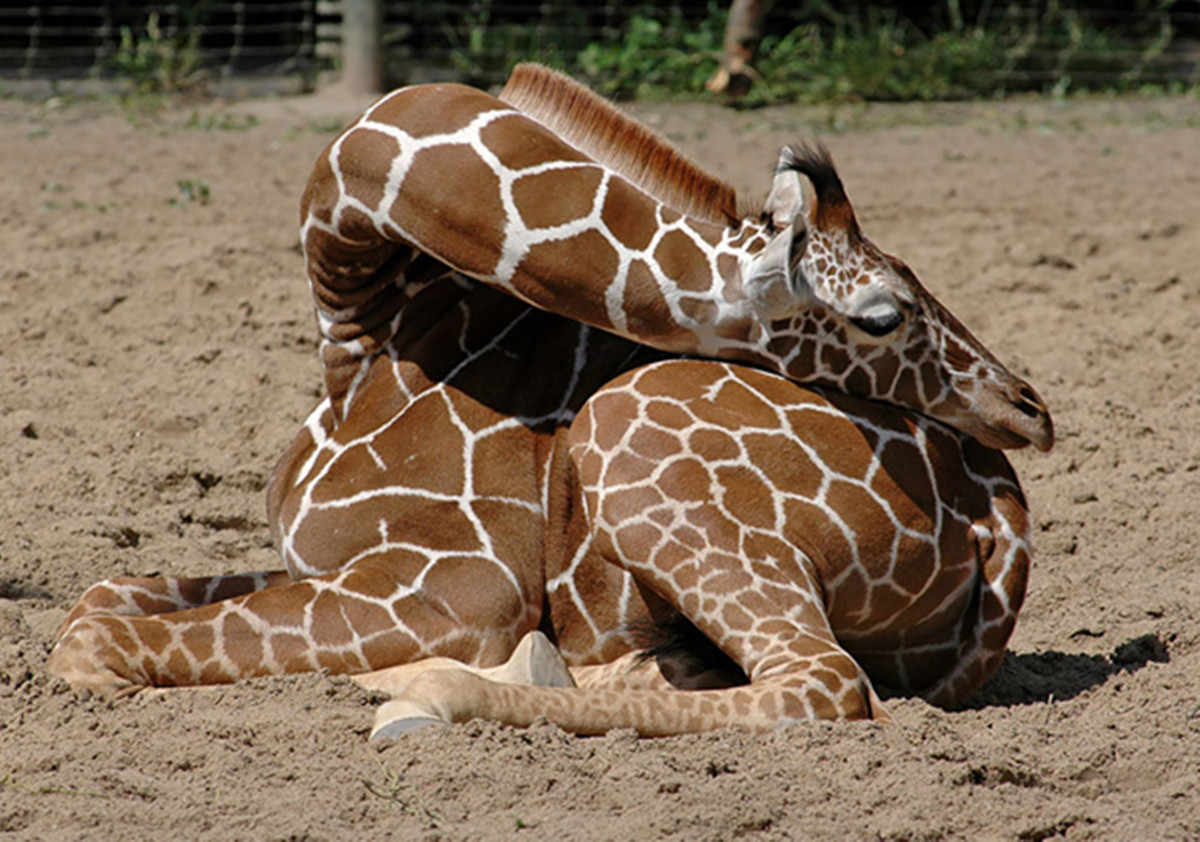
860 52
156 62
658 54
191 192
484 48
221 122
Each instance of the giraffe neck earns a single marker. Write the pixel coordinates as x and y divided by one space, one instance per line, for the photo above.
525 213
444 179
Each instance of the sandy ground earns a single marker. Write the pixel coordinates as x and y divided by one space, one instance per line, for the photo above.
157 353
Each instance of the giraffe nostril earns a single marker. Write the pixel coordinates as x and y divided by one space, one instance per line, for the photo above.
1028 403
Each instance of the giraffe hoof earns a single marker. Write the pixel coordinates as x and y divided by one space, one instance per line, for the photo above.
399 717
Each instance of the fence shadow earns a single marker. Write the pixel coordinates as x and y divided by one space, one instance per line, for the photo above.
1029 678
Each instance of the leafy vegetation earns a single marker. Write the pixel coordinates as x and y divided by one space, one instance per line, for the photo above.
655 56
853 52
877 54
157 62
817 50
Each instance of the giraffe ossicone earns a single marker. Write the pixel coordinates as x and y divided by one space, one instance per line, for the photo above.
512 445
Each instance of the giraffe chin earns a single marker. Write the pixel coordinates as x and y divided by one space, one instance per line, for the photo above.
998 437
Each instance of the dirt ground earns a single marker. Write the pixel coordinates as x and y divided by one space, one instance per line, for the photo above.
157 353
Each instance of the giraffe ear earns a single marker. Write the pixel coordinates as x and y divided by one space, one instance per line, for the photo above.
769 283
786 200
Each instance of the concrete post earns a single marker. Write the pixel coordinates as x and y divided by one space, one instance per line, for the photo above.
362 46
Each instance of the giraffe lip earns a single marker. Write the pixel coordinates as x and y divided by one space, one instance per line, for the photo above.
1045 440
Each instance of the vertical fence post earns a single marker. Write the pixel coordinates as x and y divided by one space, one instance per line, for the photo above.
362 46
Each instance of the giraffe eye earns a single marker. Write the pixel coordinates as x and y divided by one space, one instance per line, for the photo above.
879 324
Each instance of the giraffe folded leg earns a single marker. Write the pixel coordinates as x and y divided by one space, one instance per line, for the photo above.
535 662
663 671
1004 559
164 595
816 685
137 596
356 620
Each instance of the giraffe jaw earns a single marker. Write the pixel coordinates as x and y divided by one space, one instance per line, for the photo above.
1001 438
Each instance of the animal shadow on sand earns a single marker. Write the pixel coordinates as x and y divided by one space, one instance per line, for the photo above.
1032 677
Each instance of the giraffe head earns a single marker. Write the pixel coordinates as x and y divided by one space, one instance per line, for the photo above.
840 311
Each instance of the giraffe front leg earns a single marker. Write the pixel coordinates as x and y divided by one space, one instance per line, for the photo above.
798 672
678 662
1002 546
535 662
819 682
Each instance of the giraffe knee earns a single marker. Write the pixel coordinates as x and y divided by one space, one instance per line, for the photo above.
835 687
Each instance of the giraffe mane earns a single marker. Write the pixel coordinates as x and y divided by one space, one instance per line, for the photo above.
595 127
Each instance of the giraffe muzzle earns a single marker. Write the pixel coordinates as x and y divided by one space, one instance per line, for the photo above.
1017 420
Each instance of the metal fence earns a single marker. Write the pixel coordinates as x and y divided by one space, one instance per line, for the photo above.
1098 42
478 40
63 40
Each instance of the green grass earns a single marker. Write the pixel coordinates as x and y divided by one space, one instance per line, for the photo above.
221 122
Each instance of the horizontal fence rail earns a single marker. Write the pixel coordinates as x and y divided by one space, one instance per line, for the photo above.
70 40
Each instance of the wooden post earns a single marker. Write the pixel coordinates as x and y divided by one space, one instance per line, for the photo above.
747 19
362 46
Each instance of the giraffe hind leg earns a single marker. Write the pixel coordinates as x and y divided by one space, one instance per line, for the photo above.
148 595
365 617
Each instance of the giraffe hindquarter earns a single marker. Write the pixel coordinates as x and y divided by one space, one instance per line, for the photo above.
443 473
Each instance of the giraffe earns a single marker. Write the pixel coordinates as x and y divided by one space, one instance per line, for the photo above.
820 541
482 270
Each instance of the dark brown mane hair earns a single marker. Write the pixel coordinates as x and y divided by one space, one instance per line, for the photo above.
596 128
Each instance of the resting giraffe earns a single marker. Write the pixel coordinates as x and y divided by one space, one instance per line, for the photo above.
438 502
